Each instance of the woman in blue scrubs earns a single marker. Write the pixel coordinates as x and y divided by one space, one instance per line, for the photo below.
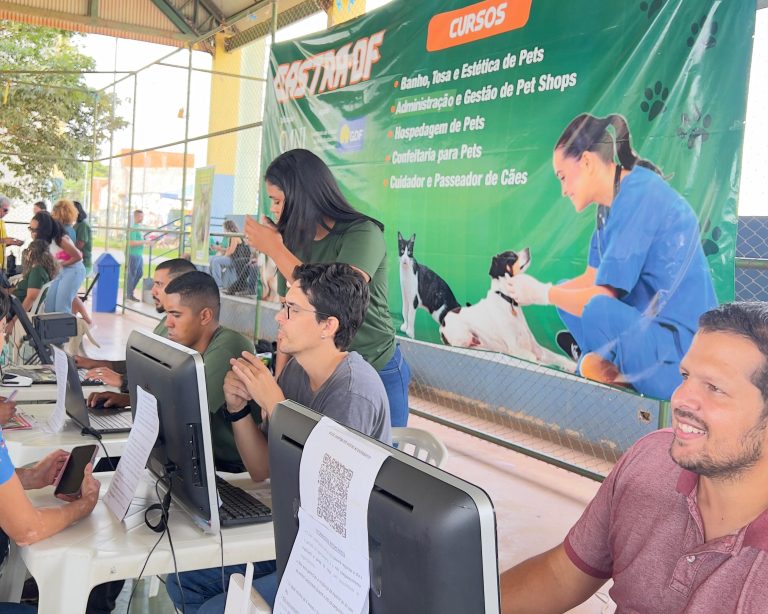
635 309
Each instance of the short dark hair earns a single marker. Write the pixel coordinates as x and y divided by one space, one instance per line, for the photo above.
198 290
335 289
748 319
176 267
42 205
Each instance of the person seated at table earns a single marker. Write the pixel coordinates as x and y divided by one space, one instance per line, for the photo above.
21 521
322 311
192 304
38 268
111 372
681 523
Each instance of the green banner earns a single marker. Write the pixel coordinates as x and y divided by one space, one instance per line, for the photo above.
440 119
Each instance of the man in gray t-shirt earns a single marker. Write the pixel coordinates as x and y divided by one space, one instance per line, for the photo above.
322 311
353 395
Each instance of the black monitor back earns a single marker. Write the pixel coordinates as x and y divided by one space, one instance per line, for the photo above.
431 535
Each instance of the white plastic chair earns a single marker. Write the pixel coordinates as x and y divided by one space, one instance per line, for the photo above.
39 302
420 444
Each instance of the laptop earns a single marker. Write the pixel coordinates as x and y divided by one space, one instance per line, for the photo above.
105 422
45 374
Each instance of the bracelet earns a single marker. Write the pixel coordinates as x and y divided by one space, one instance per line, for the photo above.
235 416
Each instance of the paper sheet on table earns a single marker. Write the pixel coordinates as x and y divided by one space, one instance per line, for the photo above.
328 569
61 366
242 598
134 459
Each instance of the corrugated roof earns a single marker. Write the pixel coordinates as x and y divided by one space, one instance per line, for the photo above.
168 22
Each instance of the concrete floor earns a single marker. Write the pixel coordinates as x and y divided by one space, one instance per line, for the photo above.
535 503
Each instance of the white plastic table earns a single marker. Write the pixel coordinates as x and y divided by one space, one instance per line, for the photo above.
100 549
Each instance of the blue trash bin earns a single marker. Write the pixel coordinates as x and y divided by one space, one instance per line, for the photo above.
105 289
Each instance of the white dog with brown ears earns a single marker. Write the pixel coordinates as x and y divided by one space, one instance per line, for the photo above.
497 323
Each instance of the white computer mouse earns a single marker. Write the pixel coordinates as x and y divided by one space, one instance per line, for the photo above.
11 379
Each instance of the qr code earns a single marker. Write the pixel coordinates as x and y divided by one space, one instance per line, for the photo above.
332 493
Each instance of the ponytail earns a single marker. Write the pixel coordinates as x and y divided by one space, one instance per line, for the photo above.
589 133
628 158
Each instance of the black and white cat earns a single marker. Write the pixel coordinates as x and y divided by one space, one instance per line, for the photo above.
421 287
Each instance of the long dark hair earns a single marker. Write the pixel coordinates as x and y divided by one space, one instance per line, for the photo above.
37 253
589 133
48 229
311 195
81 214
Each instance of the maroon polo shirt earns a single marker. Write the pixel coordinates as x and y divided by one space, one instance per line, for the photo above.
644 530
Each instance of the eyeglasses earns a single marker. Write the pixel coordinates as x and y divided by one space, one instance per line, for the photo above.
31 229
288 307
5 209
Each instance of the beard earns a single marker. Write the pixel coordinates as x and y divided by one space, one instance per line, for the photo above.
729 466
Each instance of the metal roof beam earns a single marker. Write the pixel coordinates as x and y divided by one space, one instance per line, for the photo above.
176 18
95 22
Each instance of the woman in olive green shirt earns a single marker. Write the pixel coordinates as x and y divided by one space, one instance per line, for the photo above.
39 267
316 223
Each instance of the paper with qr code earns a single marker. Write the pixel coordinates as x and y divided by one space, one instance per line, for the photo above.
328 570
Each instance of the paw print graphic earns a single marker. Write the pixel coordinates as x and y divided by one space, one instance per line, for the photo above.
694 128
703 34
654 100
709 244
651 7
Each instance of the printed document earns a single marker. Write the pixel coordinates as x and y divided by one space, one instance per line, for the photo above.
134 459
328 570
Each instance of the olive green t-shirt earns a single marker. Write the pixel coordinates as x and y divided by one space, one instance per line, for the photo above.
361 245
36 278
83 233
224 345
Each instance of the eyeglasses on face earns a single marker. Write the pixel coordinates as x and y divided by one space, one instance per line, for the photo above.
31 229
288 307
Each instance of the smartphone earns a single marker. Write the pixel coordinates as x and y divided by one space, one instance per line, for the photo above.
70 478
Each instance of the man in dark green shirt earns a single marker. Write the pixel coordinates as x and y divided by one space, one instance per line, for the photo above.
192 305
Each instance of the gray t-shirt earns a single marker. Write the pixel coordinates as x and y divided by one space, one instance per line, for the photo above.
354 395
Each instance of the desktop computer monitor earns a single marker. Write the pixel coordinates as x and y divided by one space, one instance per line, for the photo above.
431 535
175 376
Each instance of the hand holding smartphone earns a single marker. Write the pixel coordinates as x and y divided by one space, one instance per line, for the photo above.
68 482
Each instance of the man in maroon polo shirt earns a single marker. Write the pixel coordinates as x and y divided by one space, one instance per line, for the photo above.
681 523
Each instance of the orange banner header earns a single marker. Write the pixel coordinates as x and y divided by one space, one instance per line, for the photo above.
476 22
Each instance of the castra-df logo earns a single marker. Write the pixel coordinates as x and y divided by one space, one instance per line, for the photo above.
351 135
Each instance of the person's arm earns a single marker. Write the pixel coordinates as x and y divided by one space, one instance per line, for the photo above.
258 382
75 255
233 243
249 439
573 300
83 362
571 296
546 583
265 238
26 524
29 299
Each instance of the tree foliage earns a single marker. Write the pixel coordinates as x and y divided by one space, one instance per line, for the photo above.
50 119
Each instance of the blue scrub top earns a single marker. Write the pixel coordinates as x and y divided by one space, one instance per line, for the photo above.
650 251
6 465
